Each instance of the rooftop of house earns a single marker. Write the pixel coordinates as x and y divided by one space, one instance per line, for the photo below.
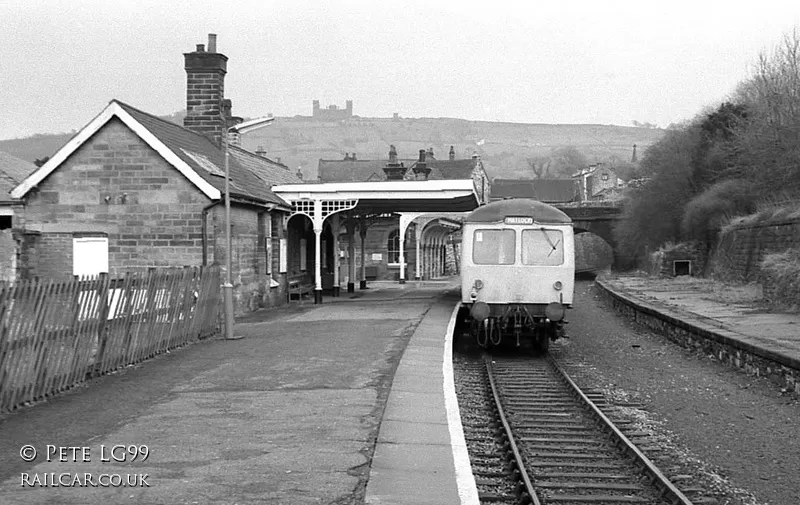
350 170
13 170
543 190
196 155
251 175
591 169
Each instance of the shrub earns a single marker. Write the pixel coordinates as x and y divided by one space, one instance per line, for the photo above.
781 273
705 214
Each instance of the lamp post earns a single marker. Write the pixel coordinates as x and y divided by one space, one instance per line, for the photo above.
227 287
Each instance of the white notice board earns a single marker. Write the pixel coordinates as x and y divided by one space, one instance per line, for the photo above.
282 257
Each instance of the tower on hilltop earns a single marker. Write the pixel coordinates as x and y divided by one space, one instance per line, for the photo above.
332 112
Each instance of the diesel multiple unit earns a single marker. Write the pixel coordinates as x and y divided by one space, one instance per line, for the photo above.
517 272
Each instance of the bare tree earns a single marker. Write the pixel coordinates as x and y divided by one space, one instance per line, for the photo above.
540 166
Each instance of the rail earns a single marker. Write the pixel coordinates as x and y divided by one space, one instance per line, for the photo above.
537 406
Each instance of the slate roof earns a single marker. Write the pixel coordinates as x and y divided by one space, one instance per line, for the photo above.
251 175
450 169
13 170
355 170
372 170
543 190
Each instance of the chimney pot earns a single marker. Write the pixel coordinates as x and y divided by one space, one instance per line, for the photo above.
422 155
212 42
205 112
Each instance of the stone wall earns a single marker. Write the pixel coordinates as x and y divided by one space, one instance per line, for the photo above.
708 340
741 248
8 256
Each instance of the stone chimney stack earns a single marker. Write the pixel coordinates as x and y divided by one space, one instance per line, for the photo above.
633 158
421 170
452 153
394 171
205 90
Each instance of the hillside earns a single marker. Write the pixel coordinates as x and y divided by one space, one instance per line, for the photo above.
300 141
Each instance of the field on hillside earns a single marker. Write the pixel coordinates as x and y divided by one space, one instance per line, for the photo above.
300 142
504 147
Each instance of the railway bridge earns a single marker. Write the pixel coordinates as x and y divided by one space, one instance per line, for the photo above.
597 219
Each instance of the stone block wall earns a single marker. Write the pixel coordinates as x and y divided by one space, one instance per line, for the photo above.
741 249
8 256
117 185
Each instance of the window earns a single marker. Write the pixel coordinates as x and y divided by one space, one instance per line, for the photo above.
493 247
604 177
393 247
89 255
542 247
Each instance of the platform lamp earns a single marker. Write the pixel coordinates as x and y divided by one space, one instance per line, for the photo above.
227 288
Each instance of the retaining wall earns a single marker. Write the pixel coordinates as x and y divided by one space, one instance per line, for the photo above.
706 338
741 249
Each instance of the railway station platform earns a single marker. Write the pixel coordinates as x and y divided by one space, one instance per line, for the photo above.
347 402
735 328
342 402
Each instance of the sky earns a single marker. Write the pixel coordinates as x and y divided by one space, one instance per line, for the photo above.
599 62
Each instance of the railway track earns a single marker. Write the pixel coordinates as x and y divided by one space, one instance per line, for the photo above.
553 442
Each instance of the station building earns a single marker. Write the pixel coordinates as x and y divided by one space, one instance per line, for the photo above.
381 232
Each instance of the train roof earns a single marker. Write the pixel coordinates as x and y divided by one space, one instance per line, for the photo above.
497 211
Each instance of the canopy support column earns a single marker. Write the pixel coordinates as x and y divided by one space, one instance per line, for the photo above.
362 231
335 230
351 255
317 266
418 234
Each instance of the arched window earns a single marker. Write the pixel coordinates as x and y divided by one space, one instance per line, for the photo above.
393 247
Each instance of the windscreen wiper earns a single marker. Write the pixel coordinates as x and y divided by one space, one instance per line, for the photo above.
546 236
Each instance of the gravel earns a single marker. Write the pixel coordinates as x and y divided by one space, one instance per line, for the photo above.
735 434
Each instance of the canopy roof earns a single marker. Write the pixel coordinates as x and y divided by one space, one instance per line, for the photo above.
384 197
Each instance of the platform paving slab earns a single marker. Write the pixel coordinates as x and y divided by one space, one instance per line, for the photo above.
288 415
414 459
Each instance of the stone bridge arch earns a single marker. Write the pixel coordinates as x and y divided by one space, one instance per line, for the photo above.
596 220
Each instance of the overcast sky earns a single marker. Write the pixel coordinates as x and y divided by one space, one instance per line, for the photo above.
608 62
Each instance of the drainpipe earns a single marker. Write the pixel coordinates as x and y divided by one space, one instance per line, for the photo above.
204 224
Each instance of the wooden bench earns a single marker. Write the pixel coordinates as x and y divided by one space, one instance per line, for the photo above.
299 286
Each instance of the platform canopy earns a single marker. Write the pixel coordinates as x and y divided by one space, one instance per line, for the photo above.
427 202
387 197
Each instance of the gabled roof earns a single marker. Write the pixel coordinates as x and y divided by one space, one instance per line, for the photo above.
354 170
450 169
543 190
196 156
372 170
13 170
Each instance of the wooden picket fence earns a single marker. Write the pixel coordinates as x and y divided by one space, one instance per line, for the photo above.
57 334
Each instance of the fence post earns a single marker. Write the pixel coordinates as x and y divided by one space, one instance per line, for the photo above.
102 314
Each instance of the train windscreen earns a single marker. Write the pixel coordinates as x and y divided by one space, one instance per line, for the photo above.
493 247
542 247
